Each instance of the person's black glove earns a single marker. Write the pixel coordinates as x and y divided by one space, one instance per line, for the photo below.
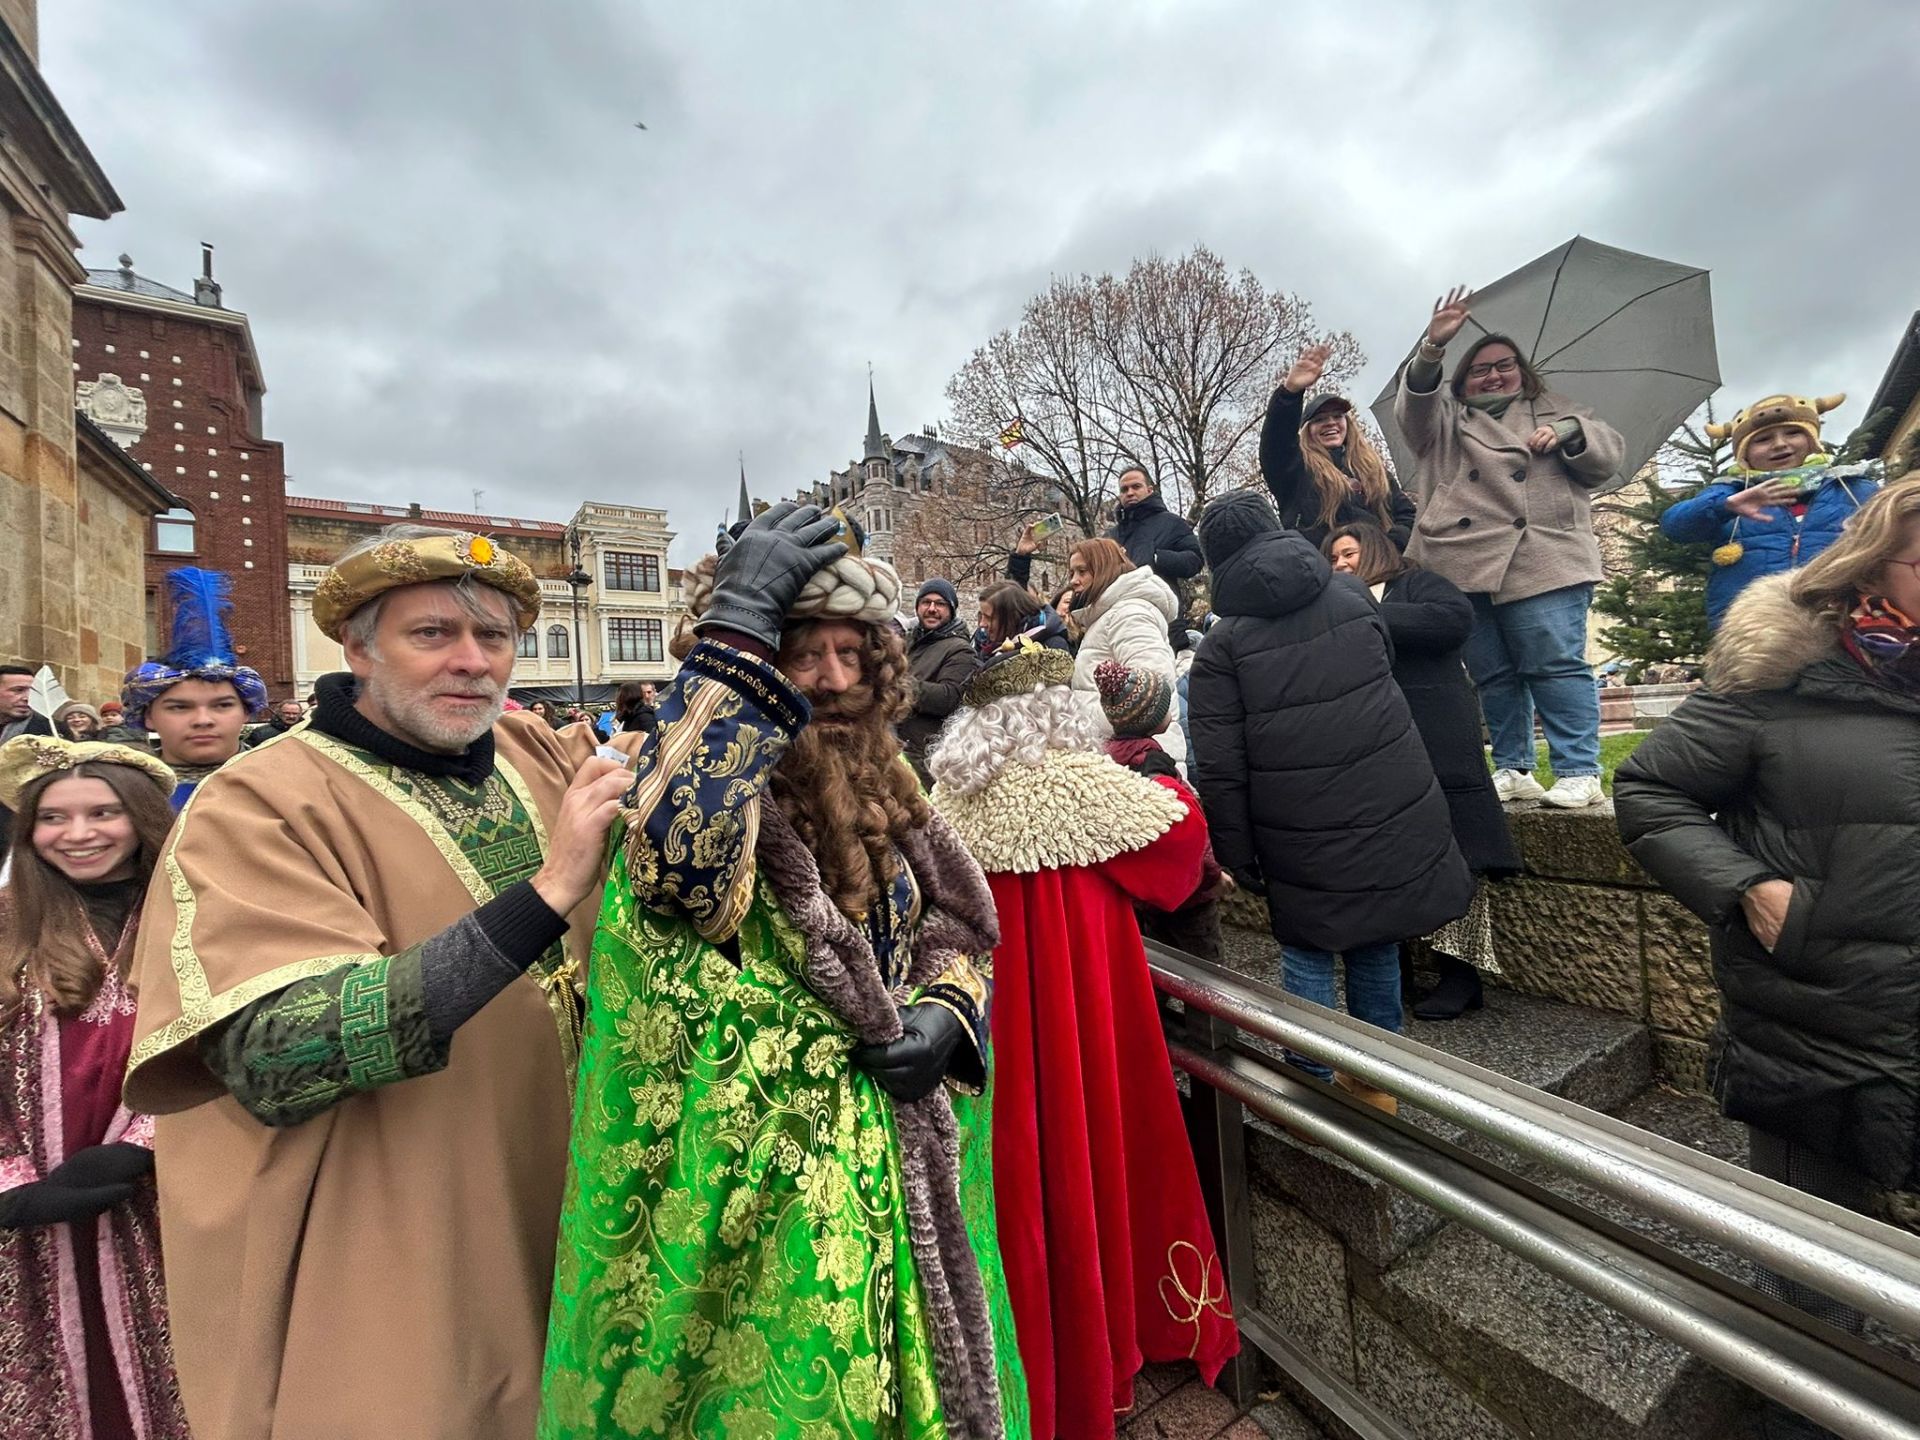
913 1066
45 1203
102 1165
762 573
1249 879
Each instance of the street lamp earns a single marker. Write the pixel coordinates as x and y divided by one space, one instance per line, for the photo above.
579 580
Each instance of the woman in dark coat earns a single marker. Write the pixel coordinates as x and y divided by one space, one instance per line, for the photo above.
1316 784
1320 469
1430 620
1781 804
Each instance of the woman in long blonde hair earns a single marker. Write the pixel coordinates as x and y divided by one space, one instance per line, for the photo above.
84 1349
1321 468
1781 804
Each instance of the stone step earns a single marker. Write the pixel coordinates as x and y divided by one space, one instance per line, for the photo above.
1501 1343
1454 1335
1589 1056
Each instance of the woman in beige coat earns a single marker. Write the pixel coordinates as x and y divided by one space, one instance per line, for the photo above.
1504 475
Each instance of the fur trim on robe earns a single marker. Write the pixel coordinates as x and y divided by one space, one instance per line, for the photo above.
1071 809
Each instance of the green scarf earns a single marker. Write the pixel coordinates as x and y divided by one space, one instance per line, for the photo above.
1494 405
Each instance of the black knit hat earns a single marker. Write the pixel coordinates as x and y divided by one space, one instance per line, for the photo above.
944 589
1231 521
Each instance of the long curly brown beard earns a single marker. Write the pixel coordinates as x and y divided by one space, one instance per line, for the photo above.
842 784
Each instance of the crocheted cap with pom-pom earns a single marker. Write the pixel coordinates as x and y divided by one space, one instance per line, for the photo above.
1136 701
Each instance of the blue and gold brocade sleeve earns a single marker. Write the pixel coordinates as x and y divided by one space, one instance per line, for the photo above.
693 813
966 988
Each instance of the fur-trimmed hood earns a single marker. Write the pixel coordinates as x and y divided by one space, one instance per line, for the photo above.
1767 640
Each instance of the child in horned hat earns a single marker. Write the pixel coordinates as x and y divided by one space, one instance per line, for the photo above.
1783 502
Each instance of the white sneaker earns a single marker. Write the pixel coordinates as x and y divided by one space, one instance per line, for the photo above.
1576 792
1511 785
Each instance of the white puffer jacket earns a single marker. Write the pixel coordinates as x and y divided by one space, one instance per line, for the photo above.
1129 624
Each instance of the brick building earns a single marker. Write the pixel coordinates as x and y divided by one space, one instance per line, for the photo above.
629 605
174 377
74 516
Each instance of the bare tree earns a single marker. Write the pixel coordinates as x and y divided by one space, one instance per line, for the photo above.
1168 367
1042 385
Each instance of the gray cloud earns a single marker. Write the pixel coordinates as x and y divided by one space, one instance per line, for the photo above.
466 269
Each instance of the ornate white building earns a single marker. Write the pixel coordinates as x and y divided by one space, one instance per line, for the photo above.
628 606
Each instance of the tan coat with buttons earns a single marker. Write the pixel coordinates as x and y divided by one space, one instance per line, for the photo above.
1495 518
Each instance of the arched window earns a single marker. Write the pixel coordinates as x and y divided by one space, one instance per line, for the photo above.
173 532
529 646
559 646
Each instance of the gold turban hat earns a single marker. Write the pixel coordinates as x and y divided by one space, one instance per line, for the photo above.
392 563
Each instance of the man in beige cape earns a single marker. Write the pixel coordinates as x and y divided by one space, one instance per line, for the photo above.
359 1019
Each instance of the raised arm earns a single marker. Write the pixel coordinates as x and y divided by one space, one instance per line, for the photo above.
1281 464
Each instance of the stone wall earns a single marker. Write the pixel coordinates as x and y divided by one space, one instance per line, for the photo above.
1587 925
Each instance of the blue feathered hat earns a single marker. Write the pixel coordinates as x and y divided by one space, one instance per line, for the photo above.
202 647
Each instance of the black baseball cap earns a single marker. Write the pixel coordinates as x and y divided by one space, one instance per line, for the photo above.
1325 400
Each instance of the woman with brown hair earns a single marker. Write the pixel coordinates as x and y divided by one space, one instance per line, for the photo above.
1429 621
1009 611
1781 804
1322 469
1504 472
1119 611
83 1324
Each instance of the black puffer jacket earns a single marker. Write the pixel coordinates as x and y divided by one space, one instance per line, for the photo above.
1794 765
942 662
1429 620
1284 469
1311 767
1157 539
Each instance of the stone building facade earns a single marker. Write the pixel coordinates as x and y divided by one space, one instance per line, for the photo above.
628 608
73 558
931 507
175 378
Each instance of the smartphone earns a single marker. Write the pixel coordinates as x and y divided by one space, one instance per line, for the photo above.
1048 525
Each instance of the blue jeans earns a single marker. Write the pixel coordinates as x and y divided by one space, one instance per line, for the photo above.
1532 654
1373 987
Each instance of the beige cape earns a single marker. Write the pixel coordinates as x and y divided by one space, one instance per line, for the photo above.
383 1269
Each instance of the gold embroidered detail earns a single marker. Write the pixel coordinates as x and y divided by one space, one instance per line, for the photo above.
1208 1300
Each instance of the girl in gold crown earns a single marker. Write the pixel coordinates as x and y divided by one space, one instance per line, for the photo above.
84 1350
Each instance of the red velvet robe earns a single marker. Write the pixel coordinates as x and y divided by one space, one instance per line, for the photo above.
1109 1257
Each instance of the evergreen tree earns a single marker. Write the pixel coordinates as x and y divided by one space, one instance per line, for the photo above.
1659 608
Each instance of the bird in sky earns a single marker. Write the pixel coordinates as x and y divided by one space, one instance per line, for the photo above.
639 124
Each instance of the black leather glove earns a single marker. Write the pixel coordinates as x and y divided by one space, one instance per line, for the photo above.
1249 879
45 1203
763 572
913 1066
102 1165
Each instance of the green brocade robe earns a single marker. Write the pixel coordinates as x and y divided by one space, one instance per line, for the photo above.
734 1261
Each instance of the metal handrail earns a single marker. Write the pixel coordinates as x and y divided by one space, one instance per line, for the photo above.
1870 1266
1818 1379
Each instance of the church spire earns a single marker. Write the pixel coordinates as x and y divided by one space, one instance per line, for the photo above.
876 442
745 511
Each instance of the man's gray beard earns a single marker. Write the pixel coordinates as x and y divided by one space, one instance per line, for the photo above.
411 717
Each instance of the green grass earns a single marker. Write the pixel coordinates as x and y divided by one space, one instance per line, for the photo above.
1613 750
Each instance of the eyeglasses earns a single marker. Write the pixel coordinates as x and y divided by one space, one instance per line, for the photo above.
1493 367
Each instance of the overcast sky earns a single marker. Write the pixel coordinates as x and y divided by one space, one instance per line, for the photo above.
467 269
